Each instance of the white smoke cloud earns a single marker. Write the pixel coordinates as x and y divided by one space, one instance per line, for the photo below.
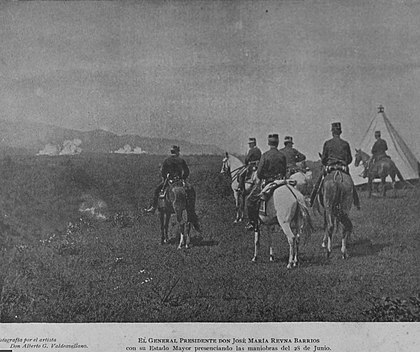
71 147
49 149
127 149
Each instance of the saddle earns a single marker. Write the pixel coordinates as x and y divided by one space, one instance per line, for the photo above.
268 190
336 167
162 199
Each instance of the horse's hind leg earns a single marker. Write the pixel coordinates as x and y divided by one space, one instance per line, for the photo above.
348 228
383 182
291 238
327 242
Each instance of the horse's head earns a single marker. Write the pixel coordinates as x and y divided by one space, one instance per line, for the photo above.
225 166
360 157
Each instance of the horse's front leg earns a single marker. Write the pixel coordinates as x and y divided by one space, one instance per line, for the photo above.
162 227
181 234
187 235
167 219
237 206
369 188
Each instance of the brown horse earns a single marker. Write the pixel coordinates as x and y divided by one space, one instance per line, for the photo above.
337 193
380 169
174 201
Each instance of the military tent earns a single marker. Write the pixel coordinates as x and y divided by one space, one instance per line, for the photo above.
398 150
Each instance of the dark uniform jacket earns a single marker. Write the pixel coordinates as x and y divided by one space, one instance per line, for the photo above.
379 149
336 151
254 154
293 156
272 164
175 166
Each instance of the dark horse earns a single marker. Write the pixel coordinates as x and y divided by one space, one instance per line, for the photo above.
380 169
337 193
174 201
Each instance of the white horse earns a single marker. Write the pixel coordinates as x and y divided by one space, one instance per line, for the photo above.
287 208
303 180
233 167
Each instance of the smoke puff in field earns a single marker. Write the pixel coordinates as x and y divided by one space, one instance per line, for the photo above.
49 149
127 149
93 206
69 147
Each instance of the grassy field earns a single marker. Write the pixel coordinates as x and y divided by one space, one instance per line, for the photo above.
63 261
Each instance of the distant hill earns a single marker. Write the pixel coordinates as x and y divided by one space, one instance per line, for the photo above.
24 137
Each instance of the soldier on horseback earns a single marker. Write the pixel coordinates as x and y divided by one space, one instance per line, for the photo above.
175 168
379 149
251 160
272 166
293 156
336 154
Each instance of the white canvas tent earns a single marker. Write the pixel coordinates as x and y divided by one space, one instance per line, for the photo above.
399 152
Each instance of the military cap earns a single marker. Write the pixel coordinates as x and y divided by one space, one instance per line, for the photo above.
273 139
252 140
378 133
336 125
175 149
288 139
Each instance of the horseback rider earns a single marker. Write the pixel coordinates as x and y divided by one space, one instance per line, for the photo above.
272 166
175 168
293 156
251 159
336 154
379 149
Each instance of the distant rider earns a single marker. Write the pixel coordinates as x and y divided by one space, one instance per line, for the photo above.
336 152
293 156
379 149
272 166
252 158
173 168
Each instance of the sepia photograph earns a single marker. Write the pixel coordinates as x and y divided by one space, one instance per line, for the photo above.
239 170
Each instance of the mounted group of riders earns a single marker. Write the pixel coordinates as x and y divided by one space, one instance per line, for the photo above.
271 165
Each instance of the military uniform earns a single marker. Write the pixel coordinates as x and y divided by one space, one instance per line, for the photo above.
379 149
335 152
174 167
272 166
253 155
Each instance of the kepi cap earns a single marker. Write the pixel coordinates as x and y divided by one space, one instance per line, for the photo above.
175 149
252 140
273 139
288 139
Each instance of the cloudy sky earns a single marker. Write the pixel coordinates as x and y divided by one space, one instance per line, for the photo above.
214 72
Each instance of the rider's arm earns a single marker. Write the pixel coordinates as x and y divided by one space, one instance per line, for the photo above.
349 157
300 157
185 170
324 156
